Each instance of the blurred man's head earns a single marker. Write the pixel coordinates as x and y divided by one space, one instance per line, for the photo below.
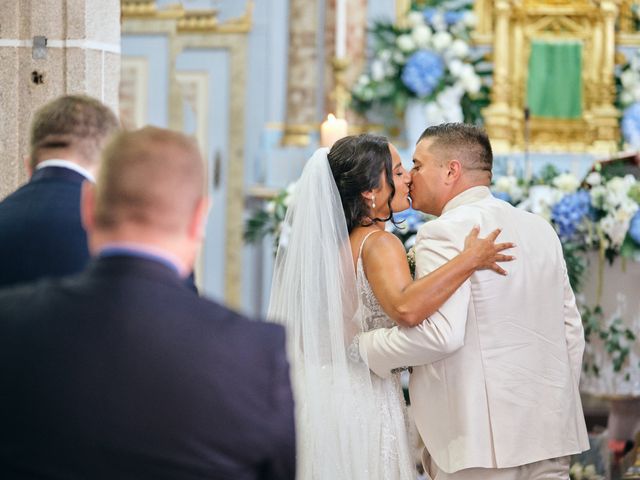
149 191
72 127
449 159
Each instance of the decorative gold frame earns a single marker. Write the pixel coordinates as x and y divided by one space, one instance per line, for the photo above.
517 23
201 29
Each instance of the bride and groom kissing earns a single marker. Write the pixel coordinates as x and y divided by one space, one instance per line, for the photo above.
495 358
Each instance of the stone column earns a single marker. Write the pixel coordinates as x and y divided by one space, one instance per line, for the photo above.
50 48
302 72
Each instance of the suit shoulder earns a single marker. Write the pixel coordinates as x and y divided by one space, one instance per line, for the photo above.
230 320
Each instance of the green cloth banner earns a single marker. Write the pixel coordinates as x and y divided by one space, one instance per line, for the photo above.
554 86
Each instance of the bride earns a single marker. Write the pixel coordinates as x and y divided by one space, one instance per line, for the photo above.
338 273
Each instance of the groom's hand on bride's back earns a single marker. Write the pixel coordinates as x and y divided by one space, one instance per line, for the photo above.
486 252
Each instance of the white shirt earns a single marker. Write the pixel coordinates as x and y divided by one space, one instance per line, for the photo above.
56 162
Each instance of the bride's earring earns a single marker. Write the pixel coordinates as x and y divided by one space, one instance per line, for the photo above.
373 202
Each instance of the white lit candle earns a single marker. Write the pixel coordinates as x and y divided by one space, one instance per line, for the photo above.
341 28
332 130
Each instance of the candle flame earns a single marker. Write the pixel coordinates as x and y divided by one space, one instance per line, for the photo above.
331 117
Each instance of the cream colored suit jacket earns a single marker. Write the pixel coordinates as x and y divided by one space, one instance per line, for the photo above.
496 369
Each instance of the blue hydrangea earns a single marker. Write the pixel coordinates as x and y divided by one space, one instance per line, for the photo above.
634 228
428 14
412 218
423 72
569 213
631 125
453 16
502 196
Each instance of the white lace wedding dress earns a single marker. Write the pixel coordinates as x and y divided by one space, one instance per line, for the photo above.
394 461
350 424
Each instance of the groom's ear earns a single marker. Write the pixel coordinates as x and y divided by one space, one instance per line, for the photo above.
454 170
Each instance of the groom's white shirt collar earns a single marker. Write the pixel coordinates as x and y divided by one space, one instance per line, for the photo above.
470 195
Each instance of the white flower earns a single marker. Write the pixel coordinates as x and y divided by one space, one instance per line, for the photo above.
459 48
270 207
455 67
421 35
472 83
415 18
469 19
594 178
635 91
504 183
615 230
385 55
390 70
628 78
626 98
291 192
434 114
438 22
541 199
469 78
441 41
405 43
509 184
398 57
566 182
377 70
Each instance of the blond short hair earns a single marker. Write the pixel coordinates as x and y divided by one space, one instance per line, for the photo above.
77 122
151 177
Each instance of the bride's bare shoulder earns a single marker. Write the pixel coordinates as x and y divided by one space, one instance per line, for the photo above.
382 244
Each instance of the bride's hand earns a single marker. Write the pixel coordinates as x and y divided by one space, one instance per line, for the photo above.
486 251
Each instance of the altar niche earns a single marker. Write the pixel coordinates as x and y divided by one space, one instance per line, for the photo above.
567 45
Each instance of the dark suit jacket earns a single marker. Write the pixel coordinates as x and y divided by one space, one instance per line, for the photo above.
121 372
40 229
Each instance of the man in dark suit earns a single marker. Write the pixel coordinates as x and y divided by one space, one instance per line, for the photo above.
120 371
40 229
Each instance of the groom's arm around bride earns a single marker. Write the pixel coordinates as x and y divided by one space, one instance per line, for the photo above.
494 389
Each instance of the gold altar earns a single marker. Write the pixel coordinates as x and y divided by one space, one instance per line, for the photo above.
511 26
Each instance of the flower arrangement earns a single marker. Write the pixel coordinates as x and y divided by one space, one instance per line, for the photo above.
602 213
628 101
428 58
268 221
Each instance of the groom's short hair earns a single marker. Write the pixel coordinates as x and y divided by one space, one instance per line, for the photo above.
461 141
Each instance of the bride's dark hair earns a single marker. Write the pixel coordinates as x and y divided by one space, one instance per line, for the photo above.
356 163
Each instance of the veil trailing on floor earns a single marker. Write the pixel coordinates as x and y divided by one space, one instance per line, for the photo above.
314 296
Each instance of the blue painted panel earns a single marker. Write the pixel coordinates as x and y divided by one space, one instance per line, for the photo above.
156 49
216 63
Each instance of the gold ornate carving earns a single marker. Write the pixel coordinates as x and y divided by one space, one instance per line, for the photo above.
483 33
517 24
299 135
188 21
198 21
149 10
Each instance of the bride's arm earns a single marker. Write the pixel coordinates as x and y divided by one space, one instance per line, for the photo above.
410 302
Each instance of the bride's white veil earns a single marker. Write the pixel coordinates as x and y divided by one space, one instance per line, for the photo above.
314 296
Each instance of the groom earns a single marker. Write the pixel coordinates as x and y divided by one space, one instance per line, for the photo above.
494 389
